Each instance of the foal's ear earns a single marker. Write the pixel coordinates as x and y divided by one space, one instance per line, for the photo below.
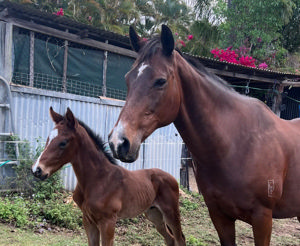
135 40
55 116
167 40
71 120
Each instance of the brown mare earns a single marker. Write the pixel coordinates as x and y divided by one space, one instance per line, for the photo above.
106 191
247 161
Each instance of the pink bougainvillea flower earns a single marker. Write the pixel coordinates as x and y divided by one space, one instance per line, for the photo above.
144 39
247 61
90 18
263 65
182 43
190 37
176 33
231 56
60 12
259 40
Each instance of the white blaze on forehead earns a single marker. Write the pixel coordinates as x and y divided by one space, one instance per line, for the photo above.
53 134
141 69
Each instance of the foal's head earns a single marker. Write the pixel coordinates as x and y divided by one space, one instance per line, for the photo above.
61 145
153 98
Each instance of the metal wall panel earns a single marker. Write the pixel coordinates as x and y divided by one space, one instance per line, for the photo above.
32 121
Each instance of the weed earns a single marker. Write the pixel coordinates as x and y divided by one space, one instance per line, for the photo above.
187 204
192 241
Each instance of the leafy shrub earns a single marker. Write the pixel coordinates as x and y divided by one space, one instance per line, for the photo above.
37 201
62 214
15 211
30 212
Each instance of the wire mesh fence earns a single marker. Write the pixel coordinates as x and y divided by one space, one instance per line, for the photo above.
77 87
155 154
51 63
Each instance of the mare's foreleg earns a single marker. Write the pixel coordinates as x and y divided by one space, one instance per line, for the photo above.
224 225
92 232
155 216
262 226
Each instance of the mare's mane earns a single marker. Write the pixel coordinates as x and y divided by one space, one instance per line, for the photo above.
152 46
100 145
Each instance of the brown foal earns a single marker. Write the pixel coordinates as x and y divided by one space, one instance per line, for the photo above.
106 191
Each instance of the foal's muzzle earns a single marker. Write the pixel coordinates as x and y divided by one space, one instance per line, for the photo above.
39 174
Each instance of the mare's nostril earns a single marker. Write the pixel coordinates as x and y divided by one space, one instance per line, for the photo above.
38 172
123 148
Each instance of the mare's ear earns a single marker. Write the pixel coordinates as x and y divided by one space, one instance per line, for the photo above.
71 120
55 116
167 40
135 40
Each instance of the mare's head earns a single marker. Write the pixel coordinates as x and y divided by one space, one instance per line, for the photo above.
61 145
153 98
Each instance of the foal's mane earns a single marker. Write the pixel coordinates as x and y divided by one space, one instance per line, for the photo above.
100 145
154 44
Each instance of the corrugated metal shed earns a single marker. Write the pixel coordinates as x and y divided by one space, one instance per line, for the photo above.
31 112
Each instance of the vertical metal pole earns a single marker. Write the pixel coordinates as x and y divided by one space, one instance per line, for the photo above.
31 59
64 82
104 72
277 100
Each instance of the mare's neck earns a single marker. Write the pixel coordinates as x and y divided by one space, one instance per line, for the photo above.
203 104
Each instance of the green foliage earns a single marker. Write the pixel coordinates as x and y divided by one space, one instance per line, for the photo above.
188 205
24 180
15 211
251 24
192 241
62 214
36 200
22 211
291 31
205 38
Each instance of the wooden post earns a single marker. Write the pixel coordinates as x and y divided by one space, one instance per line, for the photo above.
277 100
31 59
64 82
104 72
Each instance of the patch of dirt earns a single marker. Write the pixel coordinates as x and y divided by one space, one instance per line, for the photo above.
192 181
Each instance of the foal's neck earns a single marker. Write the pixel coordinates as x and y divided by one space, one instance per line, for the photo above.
90 163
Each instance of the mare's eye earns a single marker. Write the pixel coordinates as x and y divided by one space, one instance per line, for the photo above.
160 82
63 144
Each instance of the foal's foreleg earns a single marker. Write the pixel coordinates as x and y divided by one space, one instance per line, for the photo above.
107 229
155 216
92 232
171 217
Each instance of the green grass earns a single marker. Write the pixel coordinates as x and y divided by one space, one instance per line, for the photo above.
21 237
196 224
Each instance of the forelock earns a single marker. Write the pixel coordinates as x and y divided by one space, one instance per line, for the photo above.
150 48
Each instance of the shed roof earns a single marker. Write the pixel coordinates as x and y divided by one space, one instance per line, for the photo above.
231 72
25 12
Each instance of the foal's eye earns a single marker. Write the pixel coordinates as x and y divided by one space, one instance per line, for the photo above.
160 82
63 144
